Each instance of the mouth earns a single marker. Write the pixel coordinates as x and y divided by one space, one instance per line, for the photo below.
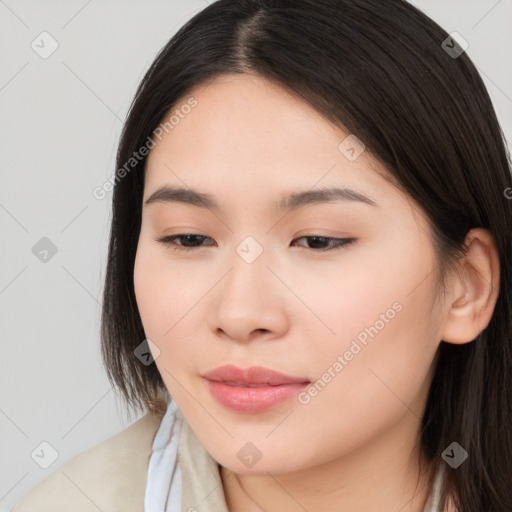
242 385
253 376
253 390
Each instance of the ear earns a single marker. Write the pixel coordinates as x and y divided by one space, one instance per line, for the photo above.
475 289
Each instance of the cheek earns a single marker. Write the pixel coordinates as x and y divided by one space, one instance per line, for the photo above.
346 301
153 291
385 337
376 317
168 300
385 380
144 275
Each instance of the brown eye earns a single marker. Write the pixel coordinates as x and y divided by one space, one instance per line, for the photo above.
169 241
317 241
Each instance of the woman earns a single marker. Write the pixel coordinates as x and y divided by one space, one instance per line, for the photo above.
311 224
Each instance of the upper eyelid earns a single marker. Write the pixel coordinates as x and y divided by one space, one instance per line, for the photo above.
315 235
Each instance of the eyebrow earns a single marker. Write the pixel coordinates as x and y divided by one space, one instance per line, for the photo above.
289 202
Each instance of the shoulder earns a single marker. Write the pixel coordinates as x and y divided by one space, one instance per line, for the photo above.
110 476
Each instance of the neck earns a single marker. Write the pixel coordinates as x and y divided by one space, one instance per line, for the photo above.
387 474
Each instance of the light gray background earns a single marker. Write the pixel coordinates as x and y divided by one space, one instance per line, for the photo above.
60 120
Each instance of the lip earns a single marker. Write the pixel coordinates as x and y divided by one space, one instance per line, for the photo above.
270 387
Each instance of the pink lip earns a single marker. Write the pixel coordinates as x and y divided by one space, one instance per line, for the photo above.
275 387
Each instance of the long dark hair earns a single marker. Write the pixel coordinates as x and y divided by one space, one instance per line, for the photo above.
381 71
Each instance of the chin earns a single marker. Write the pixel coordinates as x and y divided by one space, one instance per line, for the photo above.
274 464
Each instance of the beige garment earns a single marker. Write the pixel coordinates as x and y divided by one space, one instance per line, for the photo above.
110 476
200 476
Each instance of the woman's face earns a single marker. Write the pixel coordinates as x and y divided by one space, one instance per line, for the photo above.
356 321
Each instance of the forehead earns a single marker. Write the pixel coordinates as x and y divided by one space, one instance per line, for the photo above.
247 116
247 135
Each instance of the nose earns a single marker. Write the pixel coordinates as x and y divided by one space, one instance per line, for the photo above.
249 302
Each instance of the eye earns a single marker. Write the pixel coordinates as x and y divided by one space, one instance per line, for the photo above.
169 241
320 240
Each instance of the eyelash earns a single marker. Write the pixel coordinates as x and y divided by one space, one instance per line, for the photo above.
168 241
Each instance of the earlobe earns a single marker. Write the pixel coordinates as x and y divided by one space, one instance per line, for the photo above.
475 291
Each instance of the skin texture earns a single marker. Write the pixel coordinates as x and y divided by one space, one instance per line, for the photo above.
355 445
